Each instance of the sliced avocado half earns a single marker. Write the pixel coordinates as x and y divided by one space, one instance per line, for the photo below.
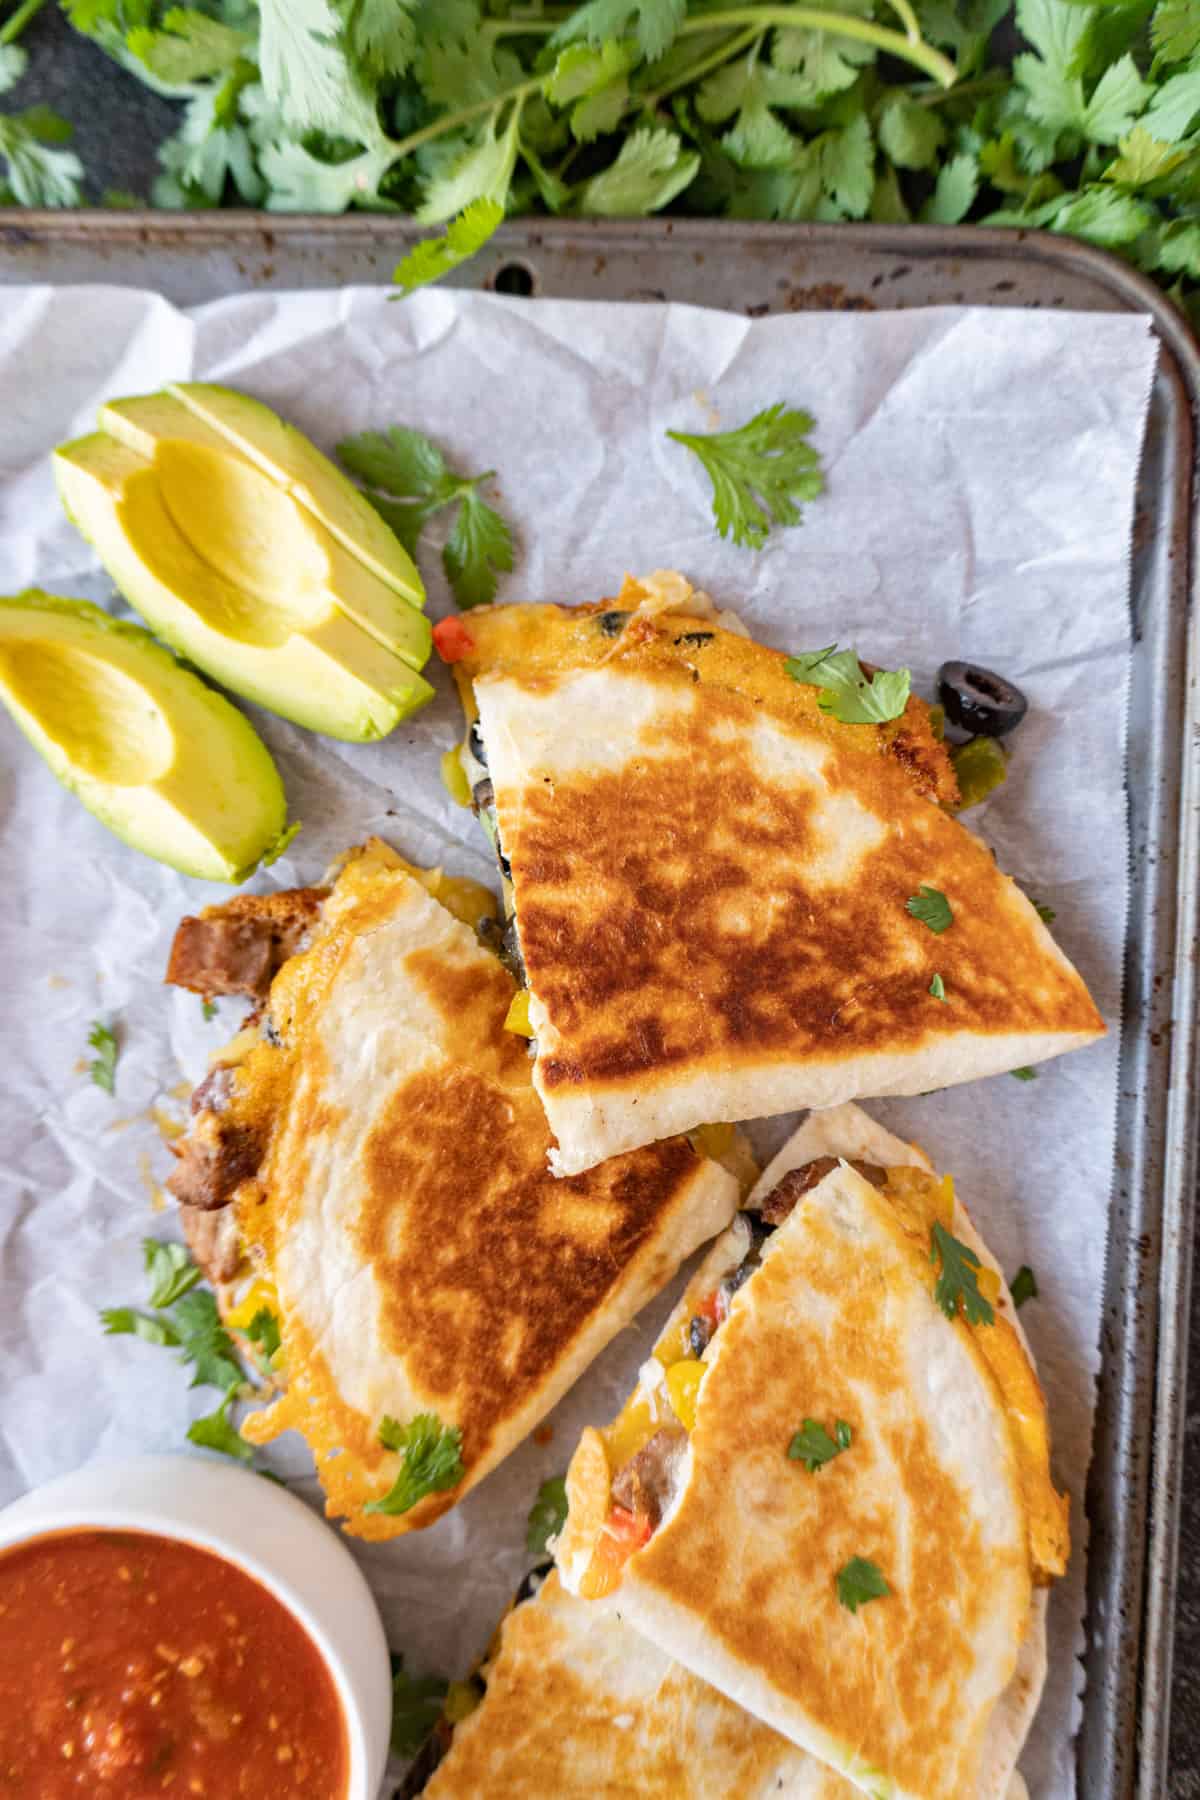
166 763
223 497
291 459
225 567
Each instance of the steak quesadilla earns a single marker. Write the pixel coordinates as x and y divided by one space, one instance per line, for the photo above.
377 1156
726 903
572 1702
830 1495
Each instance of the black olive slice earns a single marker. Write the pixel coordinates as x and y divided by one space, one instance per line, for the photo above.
980 701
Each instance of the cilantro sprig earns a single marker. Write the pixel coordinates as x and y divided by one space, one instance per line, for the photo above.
416 1707
547 1515
932 908
858 1581
103 1067
1023 1286
759 472
958 1283
845 691
408 482
431 1462
814 1447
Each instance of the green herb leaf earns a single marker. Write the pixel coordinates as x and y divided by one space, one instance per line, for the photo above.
937 988
958 1283
190 47
1046 914
1023 1074
547 1515
932 908
205 1342
382 36
814 1447
655 23
126 1321
651 168
13 63
954 191
103 1068
171 1271
208 1009
1023 1286
910 134
432 1454
462 239
215 1432
307 79
759 472
37 174
846 693
409 466
859 1581
416 1707
263 1330
1175 30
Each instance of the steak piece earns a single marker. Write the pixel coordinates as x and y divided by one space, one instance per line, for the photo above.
240 946
212 1238
215 1157
779 1202
646 1485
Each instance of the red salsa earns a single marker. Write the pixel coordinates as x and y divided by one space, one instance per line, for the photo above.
133 1665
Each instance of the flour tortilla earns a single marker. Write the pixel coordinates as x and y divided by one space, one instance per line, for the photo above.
710 878
927 1693
423 1258
579 1706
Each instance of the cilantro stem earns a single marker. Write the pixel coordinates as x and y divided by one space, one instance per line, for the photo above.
904 11
733 46
12 29
519 91
813 18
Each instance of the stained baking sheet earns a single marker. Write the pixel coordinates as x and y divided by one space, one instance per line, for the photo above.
1132 1495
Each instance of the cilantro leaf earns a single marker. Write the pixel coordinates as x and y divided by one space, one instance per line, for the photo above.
302 182
381 35
937 988
846 693
1175 30
189 47
859 1581
263 1330
1023 1074
171 1271
103 1068
1046 914
215 1432
954 191
209 1009
651 168
958 1283
126 1321
432 1461
932 908
1023 1286
205 1342
655 23
37 174
306 77
909 133
483 171
462 239
547 1515
411 469
813 1446
416 1707
758 472
13 63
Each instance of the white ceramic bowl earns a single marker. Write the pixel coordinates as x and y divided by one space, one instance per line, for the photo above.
267 1532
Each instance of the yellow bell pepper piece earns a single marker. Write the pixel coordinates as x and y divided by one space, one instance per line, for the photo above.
454 777
632 1428
260 1293
683 1387
517 1017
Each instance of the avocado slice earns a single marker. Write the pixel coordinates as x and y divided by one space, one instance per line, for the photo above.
281 641
159 757
289 458
219 494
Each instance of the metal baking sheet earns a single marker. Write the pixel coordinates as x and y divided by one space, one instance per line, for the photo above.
1133 1491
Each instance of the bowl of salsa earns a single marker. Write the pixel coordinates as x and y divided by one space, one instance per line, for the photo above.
170 1625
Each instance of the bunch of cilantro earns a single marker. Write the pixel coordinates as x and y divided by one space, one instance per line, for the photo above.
462 110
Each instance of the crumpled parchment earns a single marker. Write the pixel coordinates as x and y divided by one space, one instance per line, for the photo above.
981 467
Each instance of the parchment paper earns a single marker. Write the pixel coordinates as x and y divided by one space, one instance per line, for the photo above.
981 469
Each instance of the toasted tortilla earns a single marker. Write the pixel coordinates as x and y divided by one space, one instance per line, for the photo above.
579 1706
927 1692
422 1257
710 878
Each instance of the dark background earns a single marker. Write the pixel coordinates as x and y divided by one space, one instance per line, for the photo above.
118 125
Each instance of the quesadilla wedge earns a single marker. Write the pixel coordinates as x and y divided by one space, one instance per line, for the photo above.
829 1495
717 887
572 1702
375 1145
